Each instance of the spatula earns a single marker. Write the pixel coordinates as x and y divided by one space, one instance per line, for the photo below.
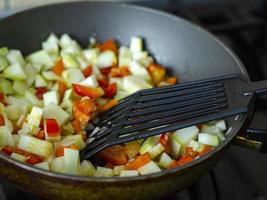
159 110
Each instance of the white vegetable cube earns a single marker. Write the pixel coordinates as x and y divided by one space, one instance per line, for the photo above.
196 146
35 116
106 59
18 157
52 38
73 75
57 165
221 125
156 150
125 57
176 147
103 171
90 82
32 98
148 144
52 110
149 168
15 72
67 102
15 57
214 130
39 81
50 47
118 81
65 41
3 63
42 58
87 168
185 135
36 146
132 84
6 138
69 60
117 169
165 160
43 165
20 87
91 54
136 44
73 139
13 111
129 173
51 76
51 96
71 161
208 139
138 70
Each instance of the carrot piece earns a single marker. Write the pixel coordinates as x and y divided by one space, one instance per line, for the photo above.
109 45
58 68
32 159
60 151
62 87
132 149
138 162
105 71
184 160
102 83
171 80
108 105
120 71
82 90
205 150
189 151
157 73
40 135
76 125
86 105
88 71
79 115
173 164
74 147
2 120
164 140
116 155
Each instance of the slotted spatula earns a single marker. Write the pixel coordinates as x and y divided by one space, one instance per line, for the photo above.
159 110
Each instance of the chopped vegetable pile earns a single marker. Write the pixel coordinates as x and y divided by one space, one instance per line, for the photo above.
48 98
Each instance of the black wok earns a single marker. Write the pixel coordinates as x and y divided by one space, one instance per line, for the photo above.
188 51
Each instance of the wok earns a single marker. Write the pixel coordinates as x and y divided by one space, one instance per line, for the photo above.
188 51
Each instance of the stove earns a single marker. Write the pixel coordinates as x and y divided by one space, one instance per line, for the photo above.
241 173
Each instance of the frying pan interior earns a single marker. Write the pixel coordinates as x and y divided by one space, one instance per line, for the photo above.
174 43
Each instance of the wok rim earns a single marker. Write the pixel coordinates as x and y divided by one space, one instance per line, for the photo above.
165 172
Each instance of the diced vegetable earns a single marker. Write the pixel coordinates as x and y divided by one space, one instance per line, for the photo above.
106 59
73 75
136 44
208 139
132 149
138 70
3 63
67 99
69 60
87 168
20 87
51 96
43 165
90 82
52 110
156 150
15 72
39 81
196 146
176 147
92 55
71 161
52 131
3 51
138 162
149 168
117 169
36 146
129 173
103 171
18 157
221 125
165 160
57 165
6 87
157 73
41 58
73 139
109 45
13 112
185 135
6 138
132 84
148 144
15 57
125 57
116 155
87 91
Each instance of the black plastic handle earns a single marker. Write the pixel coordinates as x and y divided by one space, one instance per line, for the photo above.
260 87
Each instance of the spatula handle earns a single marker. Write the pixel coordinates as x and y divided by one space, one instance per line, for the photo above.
260 87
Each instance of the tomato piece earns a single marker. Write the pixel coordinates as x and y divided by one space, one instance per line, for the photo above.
173 164
164 140
2 99
87 105
40 91
7 150
40 135
58 68
138 162
116 155
108 105
82 90
184 160
189 151
79 115
157 73
88 71
132 149
2 120
32 159
109 45
206 149
52 127
105 71
102 83
171 80
120 71
62 87
110 90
